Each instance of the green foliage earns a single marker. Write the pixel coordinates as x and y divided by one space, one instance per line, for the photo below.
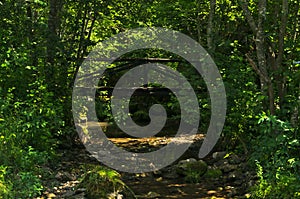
42 44
213 173
27 130
244 99
276 157
27 185
4 185
22 176
101 182
192 171
193 176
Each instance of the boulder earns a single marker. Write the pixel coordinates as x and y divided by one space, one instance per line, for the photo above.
213 173
219 155
184 167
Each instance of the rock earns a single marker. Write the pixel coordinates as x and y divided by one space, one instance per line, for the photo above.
187 161
233 192
78 196
251 183
213 173
211 192
80 190
238 182
234 159
51 195
64 176
170 174
228 167
183 168
235 175
219 155
152 194
221 163
159 179
157 173
59 175
232 176
68 194
115 196
119 196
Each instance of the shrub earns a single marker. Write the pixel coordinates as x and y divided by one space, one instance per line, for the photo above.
276 157
27 129
4 186
101 182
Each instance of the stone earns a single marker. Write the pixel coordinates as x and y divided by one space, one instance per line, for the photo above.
228 167
159 179
187 161
157 173
221 163
219 155
234 159
235 175
170 174
78 196
64 176
213 173
68 194
195 166
152 194
211 192
51 195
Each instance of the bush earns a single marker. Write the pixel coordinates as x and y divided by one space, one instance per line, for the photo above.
277 159
27 130
101 182
4 186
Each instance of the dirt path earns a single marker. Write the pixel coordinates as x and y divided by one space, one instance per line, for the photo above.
161 184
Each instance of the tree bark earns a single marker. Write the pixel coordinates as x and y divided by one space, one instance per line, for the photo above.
198 22
210 27
280 78
261 66
55 7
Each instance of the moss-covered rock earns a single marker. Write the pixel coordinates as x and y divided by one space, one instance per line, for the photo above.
198 167
213 173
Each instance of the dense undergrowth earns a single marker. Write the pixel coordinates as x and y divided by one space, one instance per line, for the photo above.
276 156
27 141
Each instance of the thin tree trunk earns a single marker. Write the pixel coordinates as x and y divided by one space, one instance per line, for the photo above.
280 79
261 67
82 33
29 13
198 22
210 27
55 7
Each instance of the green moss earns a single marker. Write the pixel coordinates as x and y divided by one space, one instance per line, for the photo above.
213 173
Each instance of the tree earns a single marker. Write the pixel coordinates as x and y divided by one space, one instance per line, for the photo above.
270 38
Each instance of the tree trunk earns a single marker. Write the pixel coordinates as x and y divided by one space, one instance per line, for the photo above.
261 66
55 7
280 78
210 27
198 22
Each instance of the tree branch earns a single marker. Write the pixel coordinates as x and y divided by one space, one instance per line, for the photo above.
249 17
257 70
282 31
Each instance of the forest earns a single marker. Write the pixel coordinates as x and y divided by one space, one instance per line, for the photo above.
255 45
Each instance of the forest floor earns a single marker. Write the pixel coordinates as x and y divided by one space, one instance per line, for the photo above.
234 182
